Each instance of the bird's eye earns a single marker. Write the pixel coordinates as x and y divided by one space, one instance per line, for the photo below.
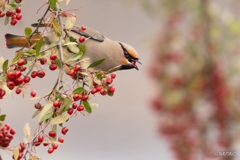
125 53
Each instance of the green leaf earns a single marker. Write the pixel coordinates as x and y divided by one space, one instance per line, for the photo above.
6 20
13 5
37 112
59 97
28 31
2 117
94 105
39 45
20 4
17 56
30 51
96 63
46 108
3 77
70 22
27 131
52 4
58 63
82 47
65 104
16 153
87 107
75 57
73 48
60 88
72 39
3 6
110 94
60 119
90 83
55 130
12 2
113 69
78 90
57 28
5 65
46 116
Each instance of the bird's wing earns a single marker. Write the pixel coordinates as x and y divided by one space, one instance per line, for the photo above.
89 33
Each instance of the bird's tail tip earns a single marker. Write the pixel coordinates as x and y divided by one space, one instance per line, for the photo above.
7 43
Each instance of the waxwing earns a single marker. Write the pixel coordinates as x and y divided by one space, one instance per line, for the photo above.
119 56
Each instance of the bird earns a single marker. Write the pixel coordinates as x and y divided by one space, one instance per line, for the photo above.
118 55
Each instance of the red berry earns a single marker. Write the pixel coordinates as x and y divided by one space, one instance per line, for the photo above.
94 83
18 17
40 74
18 10
53 62
6 140
64 130
3 93
74 105
26 79
17 74
46 143
113 75
34 74
43 61
8 13
60 139
10 136
112 89
55 146
14 17
40 138
53 56
22 145
70 111
52 134
18 90
94 90
37 143
7 126
83 28
0 11
12 131
20 62
99 87
33 93
10 75
85 97
56 103
38 106
109 80
53 67
18 81
13 12
23 68
76 97
80 108
71 72
77 67
10 85
82 39
50 150
103 91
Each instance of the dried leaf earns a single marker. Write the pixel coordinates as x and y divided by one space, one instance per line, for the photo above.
16 153
27 131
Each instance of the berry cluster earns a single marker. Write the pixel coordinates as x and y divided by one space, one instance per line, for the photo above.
6 135
14 14
100 88
45 139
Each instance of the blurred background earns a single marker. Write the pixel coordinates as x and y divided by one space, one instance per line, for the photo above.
183 104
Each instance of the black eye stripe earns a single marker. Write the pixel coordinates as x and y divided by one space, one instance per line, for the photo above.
126 53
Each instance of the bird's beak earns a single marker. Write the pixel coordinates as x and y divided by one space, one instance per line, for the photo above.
139 62
128 66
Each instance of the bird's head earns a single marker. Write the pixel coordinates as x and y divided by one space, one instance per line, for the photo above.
130 57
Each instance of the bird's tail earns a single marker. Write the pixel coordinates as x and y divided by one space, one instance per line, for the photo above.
13 41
